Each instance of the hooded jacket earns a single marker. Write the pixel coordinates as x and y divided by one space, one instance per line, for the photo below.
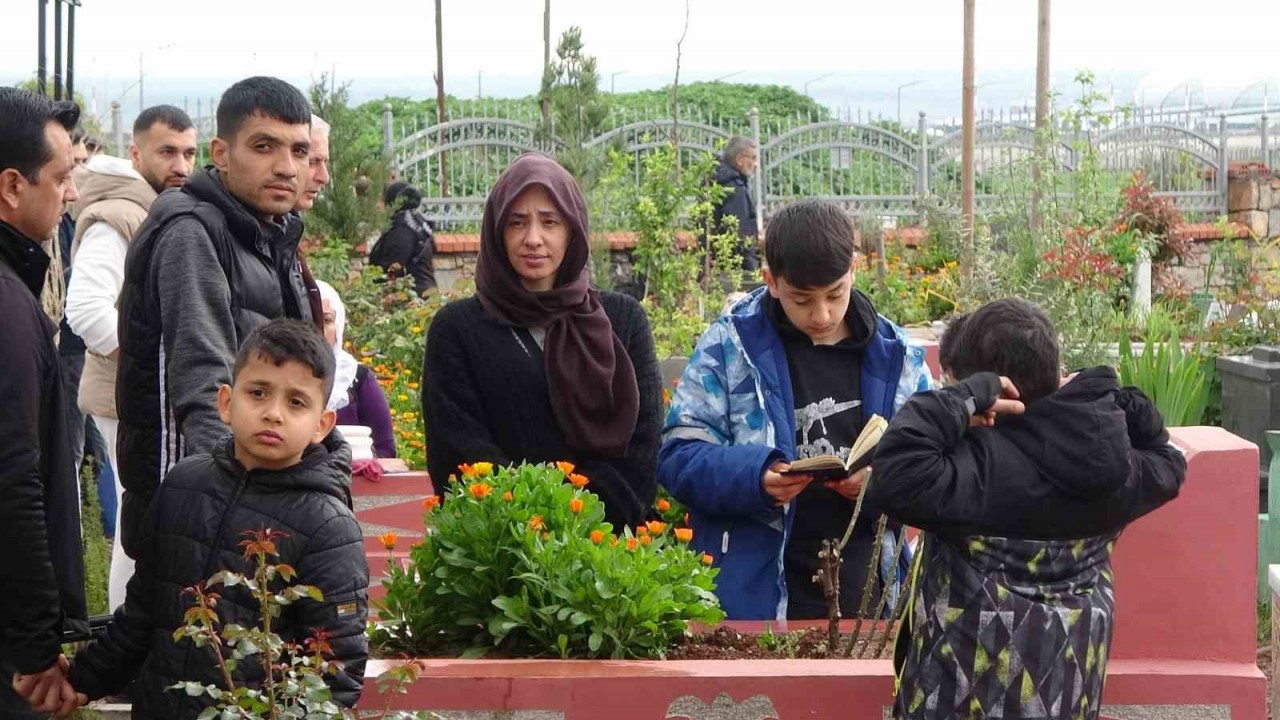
738 202
1012 610
733 415
114 200
42 565
201 514
202 272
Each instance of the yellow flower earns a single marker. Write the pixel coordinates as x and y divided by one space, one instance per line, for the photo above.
565 467
417 329
413 386
578 481
402 397
483 468
684 534
597 537
388 540
575 506
481 490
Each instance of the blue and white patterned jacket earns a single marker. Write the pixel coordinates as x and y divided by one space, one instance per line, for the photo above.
732 416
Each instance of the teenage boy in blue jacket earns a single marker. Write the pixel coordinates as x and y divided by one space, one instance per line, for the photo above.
791 371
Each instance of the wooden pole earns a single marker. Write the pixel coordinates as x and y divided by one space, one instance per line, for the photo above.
546 70
1042 113
966 146
440 114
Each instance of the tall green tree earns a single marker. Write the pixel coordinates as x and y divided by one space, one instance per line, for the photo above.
579 108
347 211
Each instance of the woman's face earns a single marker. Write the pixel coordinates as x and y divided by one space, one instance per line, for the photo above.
536 236
330 323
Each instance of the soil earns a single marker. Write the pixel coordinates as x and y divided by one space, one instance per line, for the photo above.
728 644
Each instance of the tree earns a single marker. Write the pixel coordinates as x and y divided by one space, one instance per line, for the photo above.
341 213
579 108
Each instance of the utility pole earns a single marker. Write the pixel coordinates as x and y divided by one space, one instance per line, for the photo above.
966 144
42 31
71 49
141 103
1042 112
546 65
57 49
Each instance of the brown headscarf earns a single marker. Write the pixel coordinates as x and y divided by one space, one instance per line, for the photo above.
593 384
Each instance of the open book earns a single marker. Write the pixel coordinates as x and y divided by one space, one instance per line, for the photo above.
831 467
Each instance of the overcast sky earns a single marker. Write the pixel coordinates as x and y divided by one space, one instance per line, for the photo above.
1159 43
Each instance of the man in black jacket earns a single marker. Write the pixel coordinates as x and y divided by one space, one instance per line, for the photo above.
39 510
408 246
737 164
213 261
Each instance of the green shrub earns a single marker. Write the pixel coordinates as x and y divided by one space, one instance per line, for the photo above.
1176 380
520 560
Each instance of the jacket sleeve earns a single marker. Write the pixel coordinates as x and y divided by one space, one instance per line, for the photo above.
923 475
629 485
455 432
95 288
108 664
396 247
698 462
422 268
374 412
199 331
29 605
334 562
1157 467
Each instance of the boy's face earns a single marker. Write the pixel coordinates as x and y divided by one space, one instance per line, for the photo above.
818 312
275 412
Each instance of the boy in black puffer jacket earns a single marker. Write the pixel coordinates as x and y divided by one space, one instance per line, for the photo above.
281 469
1022 482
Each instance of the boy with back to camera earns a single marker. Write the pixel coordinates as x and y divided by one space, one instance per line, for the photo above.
792 371
1022 482
280 468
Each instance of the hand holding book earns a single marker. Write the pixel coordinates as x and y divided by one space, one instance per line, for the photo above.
831 467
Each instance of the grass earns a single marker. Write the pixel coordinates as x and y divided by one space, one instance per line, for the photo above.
1264 623
97 551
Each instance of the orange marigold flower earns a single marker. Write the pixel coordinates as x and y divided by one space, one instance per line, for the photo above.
508 496
578 481
684 534
656 527
467 470
565 467
641 530
632 543
646 540
614 538
388 540
481 491
664 505
431 502
575 506
706 559
597 537
535 523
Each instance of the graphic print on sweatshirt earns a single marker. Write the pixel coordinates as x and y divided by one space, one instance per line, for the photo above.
818 423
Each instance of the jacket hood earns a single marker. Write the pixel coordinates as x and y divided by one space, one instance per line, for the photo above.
324 468
726 174
860 317
1078 436
109 178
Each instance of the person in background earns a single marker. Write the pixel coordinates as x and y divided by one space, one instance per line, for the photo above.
357 397
43 561
317 163
115 196
737 164
539 366
408 247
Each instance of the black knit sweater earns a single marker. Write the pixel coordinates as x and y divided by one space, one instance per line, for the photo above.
486 399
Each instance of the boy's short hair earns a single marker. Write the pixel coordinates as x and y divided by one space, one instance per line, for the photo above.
947 344
266 97
810 243
282 340
1010 337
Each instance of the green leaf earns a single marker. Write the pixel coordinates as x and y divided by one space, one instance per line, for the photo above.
595 641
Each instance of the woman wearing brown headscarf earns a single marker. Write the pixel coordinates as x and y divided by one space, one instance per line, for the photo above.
539 366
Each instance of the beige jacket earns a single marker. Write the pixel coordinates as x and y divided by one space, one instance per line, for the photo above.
111 192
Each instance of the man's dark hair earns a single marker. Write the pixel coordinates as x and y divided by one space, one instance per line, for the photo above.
1009 337
280 341
263 96
172 117
810 243
23 117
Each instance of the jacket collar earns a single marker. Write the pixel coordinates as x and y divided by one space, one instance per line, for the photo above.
24 256
324 468
266 237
